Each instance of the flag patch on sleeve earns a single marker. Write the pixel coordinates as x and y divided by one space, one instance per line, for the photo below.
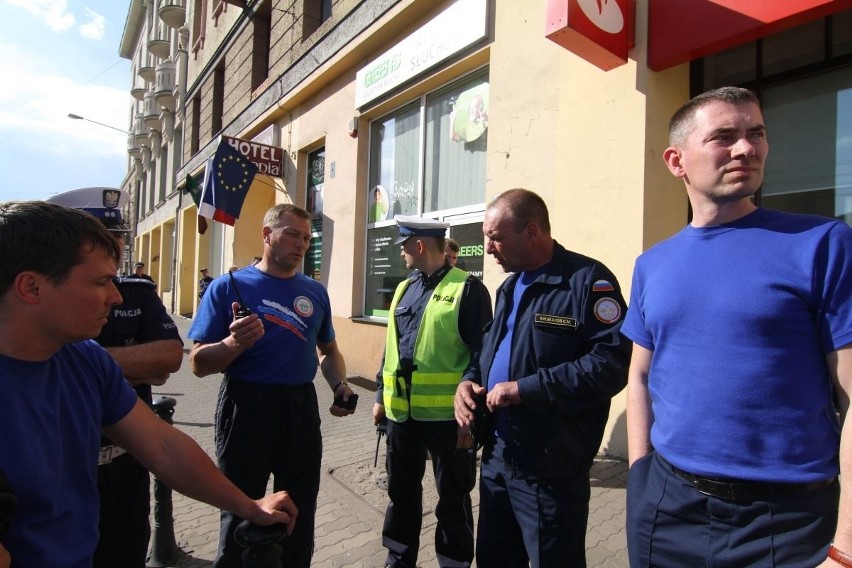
602 286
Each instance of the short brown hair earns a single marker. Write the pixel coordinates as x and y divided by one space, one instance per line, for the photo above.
526 206
48 239
681 124
273 216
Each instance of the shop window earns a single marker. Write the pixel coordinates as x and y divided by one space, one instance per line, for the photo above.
841 33
427 158
809 168
806 94
261 34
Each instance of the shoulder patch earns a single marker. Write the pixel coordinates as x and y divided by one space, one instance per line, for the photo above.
602 286
607 310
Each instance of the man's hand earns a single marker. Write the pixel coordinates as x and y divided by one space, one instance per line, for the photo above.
503 394
275 508
465 402
5 558
245 331
345 392
378 413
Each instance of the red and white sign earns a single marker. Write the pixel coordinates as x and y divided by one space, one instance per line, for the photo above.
683 30
268 159
599 31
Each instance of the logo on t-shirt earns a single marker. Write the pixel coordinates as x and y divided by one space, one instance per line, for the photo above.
303 306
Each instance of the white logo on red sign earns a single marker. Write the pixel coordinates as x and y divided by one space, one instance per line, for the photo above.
605 14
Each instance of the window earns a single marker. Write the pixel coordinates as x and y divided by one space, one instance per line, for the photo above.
199 24
314 14
804 79
218 99
313 203
427 158
163 183
195 126
261 33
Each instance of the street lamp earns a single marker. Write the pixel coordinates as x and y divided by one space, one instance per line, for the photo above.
78 117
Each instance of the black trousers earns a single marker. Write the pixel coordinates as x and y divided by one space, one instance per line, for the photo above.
455 476
530 522
669 523
264 430
124 488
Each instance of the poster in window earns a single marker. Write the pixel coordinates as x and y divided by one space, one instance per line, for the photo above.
316 177
471 247
385 270
470 114
379 204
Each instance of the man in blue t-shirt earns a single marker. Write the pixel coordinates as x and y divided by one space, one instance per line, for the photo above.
59 392
267 421
742 325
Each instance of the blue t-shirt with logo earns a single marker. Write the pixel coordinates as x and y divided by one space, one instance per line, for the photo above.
296 314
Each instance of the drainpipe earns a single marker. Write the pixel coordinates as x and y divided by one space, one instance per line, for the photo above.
175 244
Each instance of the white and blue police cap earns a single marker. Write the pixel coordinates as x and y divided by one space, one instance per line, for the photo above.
105 203
410 226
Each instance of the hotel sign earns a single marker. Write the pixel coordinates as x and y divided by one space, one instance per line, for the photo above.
453 30
268 159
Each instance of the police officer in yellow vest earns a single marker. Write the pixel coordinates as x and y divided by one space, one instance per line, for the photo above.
433 339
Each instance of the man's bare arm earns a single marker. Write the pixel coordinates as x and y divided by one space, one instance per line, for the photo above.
148 363
640 417
182 465
840 368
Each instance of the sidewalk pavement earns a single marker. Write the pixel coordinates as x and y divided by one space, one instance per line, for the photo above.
350 508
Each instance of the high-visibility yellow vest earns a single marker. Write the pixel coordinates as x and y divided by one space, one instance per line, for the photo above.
440 356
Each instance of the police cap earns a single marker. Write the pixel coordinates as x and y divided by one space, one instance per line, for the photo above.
410 226
105 203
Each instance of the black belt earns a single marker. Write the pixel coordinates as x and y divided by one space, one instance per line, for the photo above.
744 491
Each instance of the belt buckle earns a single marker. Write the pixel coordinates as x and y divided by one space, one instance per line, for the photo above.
109 453
718 489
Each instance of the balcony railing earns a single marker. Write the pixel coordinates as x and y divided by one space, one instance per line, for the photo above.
164 86
173 13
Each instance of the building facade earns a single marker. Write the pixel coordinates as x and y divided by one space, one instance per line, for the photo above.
384 107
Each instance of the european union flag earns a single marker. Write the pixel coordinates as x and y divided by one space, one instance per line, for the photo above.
227 179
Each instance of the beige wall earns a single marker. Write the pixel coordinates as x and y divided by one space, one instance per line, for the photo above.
590 142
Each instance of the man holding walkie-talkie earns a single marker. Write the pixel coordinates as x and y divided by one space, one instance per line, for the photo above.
262 327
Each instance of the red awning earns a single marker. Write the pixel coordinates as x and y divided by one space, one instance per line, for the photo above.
683 30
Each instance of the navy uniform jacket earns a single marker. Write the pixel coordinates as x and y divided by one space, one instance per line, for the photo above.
569 359
140 318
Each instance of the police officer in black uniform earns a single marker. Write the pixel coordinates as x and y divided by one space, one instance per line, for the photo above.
430 346
146 344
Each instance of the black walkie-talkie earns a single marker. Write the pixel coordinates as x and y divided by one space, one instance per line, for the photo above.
243 310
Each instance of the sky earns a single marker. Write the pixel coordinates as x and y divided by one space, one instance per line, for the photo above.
59 57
